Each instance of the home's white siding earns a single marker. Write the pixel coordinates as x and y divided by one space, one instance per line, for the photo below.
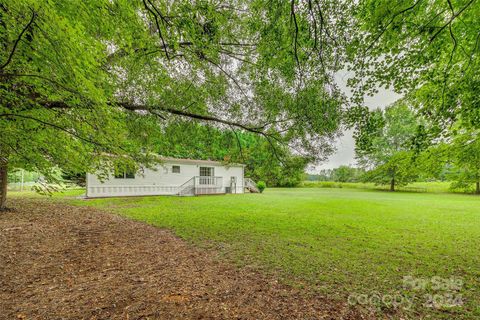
162 181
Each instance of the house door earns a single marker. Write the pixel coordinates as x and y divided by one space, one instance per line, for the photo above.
233 184
207 175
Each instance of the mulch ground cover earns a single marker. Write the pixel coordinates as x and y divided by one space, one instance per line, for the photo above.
65 262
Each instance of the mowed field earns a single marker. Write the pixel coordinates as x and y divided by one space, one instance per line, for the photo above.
419 248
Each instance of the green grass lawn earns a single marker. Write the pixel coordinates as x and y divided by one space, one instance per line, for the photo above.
334 241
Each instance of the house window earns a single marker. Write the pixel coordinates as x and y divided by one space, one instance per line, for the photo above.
206 172
175 169
206 176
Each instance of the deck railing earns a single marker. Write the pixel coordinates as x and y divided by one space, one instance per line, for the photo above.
134 190
209 181
208 185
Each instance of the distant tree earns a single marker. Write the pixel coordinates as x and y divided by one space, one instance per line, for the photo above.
465 158
384 146
456 159
325 175
346 174
311 177
342 174
322 175
398 170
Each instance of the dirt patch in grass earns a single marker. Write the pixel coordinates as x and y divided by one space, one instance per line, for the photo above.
60 261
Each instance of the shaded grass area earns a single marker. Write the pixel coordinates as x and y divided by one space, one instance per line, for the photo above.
335 241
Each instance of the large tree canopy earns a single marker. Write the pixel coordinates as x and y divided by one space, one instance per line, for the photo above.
81 81
427 50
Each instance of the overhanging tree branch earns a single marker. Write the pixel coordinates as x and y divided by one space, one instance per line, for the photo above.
53 125
187 114
9 59
453 17
54 82
153 109
295 40
380 34
158 27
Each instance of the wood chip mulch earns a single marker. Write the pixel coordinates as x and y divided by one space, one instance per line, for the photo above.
64 262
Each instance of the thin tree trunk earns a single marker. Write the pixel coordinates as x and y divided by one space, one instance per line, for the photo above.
392 185
3 183
477 191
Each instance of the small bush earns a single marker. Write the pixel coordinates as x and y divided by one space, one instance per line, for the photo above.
261 185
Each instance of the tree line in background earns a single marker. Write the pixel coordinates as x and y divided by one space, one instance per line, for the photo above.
392 152
341 174
388 153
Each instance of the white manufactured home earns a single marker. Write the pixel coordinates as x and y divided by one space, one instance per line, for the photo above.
173 177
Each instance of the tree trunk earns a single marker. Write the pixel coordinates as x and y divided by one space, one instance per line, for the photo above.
392 185
477 190
3 183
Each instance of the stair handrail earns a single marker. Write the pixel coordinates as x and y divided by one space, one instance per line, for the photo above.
249 183
186 184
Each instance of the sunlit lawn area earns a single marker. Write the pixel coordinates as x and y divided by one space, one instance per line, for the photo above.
334 241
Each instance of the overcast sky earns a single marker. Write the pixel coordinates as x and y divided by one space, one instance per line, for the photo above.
345 145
